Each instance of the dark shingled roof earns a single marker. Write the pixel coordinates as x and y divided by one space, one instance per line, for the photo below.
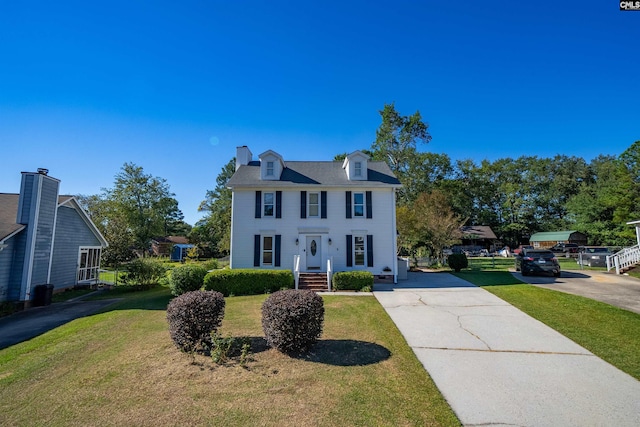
478 231
327 174
9 213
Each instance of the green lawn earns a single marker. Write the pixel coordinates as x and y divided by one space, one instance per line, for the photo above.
120 367
609 332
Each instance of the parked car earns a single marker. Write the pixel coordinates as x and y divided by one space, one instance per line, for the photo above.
594 256
537 261
566 248
519 249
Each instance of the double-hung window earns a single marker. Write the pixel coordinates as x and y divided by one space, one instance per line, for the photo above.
267 250
314 205
269 201
358 250
269 168
358 204
357 169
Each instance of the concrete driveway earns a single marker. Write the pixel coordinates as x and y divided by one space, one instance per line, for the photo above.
497 366
618 290
24 325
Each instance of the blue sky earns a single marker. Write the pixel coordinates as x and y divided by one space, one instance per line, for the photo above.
175 86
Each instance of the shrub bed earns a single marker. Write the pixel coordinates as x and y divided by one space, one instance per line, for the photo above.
457 262
187 278
193 316
247 281
292 320
144 272
352 280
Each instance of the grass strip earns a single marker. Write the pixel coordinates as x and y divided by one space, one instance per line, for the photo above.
611 333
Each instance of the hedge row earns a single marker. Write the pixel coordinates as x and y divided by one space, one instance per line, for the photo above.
352 280
248 281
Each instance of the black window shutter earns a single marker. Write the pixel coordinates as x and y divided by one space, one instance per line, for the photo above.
369 250
256 250
369 204
303 204
323 204
348 203
349 250
278 204
277 250
258 204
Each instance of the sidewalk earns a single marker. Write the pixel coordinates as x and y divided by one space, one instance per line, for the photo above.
497 366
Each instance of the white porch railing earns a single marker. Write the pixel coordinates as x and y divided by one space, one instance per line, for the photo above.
296 270
623 259
329 272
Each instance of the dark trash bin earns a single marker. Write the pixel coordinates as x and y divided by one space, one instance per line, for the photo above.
42 295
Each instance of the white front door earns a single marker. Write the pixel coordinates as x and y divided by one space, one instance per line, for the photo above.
314 253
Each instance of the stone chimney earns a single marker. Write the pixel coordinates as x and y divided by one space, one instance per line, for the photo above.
243 156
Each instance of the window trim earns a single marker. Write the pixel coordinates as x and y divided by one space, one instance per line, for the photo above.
357 169
272 204
362 252
317 204
362 204
264 250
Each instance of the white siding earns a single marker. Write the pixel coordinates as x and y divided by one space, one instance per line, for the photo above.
335 227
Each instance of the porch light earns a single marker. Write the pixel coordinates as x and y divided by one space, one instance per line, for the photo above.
329 240
297 242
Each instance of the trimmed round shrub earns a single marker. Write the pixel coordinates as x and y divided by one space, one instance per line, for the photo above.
193 316
457 262
292 320
187 278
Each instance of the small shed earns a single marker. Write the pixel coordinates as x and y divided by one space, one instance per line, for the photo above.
179 251
547 239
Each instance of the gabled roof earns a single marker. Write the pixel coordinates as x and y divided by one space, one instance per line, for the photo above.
478 232
171 239
327 174
9 214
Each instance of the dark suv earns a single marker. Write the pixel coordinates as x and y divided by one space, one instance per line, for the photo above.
537 261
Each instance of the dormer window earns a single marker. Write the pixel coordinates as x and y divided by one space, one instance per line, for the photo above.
357 169
355 166
271 165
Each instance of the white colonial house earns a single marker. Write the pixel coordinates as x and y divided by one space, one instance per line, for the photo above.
313 216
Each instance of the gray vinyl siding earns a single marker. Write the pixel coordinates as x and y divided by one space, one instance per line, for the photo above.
46 218
19 242
6 258
27 200
71 233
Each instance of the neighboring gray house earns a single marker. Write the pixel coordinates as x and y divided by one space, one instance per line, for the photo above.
45 238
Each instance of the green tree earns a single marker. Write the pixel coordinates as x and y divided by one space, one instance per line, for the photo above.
428 223
144 202
214 230
605 203
397 137
113 226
